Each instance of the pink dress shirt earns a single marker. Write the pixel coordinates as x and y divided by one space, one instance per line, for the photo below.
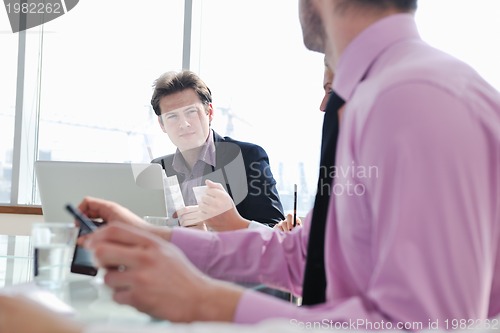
413 230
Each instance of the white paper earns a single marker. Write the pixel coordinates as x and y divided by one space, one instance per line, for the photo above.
174 190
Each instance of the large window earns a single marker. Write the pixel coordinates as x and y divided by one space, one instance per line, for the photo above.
87 84
267 87
87 80
99 64
466 29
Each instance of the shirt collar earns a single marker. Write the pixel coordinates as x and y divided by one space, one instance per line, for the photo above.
208 152
207 155
363 51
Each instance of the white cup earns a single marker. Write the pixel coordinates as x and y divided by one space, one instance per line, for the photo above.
53 245
199 192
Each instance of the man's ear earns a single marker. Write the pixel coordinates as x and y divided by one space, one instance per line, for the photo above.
160 121
210 113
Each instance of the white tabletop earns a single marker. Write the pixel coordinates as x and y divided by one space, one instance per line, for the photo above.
88 296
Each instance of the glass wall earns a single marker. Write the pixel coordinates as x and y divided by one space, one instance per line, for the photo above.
8 76
267 87
99 64
468 30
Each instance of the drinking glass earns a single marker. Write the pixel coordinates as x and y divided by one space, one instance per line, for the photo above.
53 244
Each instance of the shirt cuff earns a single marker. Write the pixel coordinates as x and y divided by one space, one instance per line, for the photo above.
255 307
257 225
196 245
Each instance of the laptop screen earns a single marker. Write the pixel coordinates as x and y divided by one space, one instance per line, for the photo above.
136 186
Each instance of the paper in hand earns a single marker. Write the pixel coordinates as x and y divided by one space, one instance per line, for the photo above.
174 191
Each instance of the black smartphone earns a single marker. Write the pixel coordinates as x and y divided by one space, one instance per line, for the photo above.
82 258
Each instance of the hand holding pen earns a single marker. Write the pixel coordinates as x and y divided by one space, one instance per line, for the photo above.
291 221
287 224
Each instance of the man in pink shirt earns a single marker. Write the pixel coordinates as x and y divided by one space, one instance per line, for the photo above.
412 237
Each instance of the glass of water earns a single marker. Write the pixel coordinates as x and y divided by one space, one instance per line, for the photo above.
53 245
162 221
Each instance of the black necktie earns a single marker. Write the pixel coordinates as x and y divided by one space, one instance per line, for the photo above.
314 287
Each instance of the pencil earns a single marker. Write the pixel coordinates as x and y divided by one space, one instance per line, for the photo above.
294 205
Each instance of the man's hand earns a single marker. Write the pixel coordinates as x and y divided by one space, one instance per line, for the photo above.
155 277
113 213
218 209
191 217
287 225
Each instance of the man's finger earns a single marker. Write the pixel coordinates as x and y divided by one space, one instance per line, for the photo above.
96 208
192 222
121 234
213 185
116 279
122 296
118 256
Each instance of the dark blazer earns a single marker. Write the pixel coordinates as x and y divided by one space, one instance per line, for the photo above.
243 168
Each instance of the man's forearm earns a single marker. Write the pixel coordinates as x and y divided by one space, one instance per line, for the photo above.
219 302
162 232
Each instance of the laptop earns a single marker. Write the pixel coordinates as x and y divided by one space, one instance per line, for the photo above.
136 186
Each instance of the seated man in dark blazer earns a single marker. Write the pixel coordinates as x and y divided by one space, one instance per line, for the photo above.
183 104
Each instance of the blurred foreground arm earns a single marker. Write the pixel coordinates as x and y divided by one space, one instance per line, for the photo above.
19 314
156 278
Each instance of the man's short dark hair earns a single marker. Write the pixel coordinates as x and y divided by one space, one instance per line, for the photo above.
172 82
401 5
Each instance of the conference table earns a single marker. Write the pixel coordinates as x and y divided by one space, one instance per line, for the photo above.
90 301
88 297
